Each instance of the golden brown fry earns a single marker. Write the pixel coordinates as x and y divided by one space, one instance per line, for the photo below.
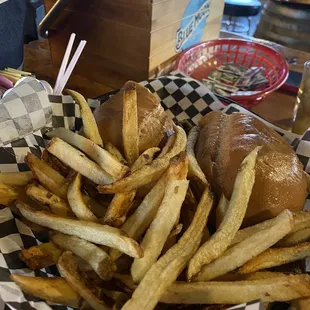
193 168
115 295
160 228
56 204
301 221
140 220
78 161
295 238
8 194
172 238
221 210
95 256
308 181
147 173
249 248
301 304
99 155
115 152
69 269
47 176
166 270
93 232
283 288
55 290
90 127
234 276
130 129
122 202
232 221
76 202
276 257
40 256
16 178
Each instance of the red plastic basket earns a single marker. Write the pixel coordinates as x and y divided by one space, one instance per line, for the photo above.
199 60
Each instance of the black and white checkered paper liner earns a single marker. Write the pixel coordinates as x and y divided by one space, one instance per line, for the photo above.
182 98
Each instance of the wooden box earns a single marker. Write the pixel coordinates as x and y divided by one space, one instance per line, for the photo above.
132 38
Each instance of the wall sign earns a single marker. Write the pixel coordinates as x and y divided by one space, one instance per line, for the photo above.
193 22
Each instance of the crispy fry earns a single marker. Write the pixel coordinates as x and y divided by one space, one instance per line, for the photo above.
8 194
166 270
168 145
40 256
160 228
249 248
150 172
97 258
93 232
221 210
78 161
140 220
268 290
232 221
76 202
16 178
55 163
130 129
90 127
47 176
56 289
115 152
116 295
69 269
145 158
56 204
102 157
172 238
301 221
234 276
295 238
193 168
276 257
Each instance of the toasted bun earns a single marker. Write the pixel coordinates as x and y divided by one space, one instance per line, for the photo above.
153 121
224 142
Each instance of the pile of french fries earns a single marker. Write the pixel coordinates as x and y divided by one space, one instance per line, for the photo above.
119 249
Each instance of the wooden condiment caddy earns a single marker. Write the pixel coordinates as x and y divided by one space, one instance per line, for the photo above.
133 38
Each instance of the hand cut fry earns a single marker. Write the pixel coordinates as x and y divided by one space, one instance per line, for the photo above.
168 145
160 228
232 221
295 238
249 248
93 232
234 276
221 210
56 204
69 269
166 270
140 220
284 288
193 168
115 152
301 221
96 257
172 238
55 290
16 178
47 176
102 157
130 131
41 256
90 127
78 161
276 257
55 163
150 172
8 194
76 202
145 158
308 181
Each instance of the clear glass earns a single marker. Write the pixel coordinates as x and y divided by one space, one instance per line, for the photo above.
301 121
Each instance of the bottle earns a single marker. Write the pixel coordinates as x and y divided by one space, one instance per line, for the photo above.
301 119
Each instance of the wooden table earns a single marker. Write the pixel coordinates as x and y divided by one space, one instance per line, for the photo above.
276 108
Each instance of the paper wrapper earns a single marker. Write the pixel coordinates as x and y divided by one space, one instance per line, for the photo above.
182 98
